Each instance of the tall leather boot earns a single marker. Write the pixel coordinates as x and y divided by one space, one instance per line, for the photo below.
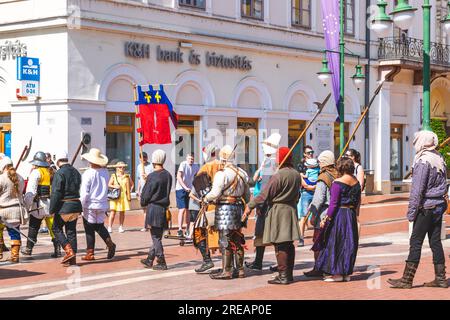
56 249
440 280
111 248
70 254
15 249
282 261
257 263
207 262
406 281
160 264
291 263
226 273
239 261
89 255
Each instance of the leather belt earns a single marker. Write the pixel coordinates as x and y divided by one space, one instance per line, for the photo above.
348 207
230 200
73 199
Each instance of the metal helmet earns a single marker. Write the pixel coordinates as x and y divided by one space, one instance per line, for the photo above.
40 160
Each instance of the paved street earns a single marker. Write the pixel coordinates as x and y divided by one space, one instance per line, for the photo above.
383 248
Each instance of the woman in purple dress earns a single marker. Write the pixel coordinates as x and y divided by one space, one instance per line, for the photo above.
338 240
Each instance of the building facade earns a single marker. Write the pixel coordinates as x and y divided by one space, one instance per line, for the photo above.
235 71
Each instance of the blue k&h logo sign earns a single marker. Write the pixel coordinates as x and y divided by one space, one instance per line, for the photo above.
28 69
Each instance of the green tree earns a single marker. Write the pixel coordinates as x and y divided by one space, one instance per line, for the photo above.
438 127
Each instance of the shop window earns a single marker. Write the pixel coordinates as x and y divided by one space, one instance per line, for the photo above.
253 9
349 17
187 139
295 128
301 13
337 135
5 134
120 139
247 145
197 4
396 164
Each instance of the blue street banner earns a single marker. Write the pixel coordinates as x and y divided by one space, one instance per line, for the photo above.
28 69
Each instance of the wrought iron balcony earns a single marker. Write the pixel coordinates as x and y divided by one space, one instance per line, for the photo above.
410 49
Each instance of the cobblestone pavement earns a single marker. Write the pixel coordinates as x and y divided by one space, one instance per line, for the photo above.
383 248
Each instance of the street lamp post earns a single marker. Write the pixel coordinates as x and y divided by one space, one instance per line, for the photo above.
403 16
341 79
325 74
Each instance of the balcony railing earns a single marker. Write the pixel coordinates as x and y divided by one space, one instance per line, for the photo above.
411 49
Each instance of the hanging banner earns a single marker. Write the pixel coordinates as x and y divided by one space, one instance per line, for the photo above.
155 110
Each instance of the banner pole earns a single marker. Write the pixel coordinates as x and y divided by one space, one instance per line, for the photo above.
139 126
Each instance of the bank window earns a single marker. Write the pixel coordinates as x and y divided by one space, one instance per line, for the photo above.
349 17
301 13
247 145
337 136
253 9
120 139
295 128
198 4
187 139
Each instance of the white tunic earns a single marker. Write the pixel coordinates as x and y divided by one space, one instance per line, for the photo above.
223 179
30 194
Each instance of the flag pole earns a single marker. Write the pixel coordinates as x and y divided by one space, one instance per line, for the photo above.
139 126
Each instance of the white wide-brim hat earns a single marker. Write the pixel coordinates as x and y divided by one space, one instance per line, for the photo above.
96 157
271 144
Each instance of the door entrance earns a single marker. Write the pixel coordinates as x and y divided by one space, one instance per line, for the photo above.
396 152
120 139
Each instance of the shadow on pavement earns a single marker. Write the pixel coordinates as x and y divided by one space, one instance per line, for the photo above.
374 244
11 273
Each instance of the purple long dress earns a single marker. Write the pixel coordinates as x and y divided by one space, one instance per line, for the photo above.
338 240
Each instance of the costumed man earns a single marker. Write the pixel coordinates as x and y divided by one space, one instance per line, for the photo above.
230 192
262 177
204 237
37 200
427 204
280 229
66 207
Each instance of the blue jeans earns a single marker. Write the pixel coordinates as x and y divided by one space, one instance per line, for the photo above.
303 203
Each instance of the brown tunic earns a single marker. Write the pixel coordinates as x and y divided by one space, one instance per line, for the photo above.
281 194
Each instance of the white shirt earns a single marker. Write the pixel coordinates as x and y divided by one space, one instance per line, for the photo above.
189 171
148 168
94 189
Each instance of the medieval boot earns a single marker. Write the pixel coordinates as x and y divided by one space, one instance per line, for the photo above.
257 263
70 262
15 249
226 267
283 269
148 262
56 249
239 260
281 278
89 255
111 248
28 250
207 262
440 280
406 281
160 264
69 253
291 263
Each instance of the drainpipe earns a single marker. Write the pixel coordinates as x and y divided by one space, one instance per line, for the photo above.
366 92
